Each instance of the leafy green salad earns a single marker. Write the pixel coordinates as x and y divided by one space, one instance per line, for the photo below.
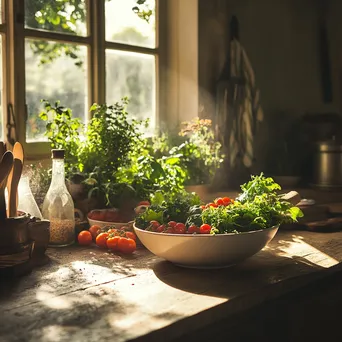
258 206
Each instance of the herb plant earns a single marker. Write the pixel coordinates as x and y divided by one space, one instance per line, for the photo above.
97 150
111 154
197 149
63 132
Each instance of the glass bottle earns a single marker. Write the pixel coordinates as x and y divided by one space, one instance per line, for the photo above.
27 203
58 206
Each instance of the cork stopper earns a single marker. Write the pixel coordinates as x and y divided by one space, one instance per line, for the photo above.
57 154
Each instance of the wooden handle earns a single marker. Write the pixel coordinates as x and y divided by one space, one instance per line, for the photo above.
6 165
2 148
13 187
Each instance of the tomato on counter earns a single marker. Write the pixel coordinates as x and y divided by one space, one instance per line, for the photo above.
85 238
95 231
126 246
101 240
117 240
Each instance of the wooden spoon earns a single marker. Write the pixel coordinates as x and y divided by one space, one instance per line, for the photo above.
13 187
2 148
6 165
18 152
13 179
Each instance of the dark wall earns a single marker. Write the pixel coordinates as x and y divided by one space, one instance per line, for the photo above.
281 40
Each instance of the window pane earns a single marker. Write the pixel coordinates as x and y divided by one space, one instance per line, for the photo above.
124 26
61 78
132 75
1 92
63 16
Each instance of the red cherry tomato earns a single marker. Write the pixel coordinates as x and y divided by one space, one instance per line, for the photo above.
154 224
226 201
101 240
111 216
112 243
126 246
168 231
193 229
179 228
161 228
95 215
205 229
131 235
172 224
102 215
112 231
95 231
219 201
85 238
146 203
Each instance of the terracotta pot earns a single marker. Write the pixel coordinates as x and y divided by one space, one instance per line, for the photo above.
80 198
77 191
202 190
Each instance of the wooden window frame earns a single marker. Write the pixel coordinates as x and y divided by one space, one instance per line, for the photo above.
15 34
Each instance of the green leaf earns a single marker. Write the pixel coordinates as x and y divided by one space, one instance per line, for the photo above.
157 198
171 160
295 213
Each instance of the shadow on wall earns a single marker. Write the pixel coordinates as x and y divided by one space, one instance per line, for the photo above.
282 41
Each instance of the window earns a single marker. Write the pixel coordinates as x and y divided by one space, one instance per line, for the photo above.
2 79
78 52
131 72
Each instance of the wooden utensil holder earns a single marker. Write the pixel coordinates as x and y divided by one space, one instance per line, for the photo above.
22 239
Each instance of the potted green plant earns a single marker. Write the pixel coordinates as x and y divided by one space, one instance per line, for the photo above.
109 163
95 151
198 153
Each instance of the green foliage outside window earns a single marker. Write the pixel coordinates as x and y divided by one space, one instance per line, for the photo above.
64 16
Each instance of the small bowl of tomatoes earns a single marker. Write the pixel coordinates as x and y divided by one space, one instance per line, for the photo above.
107 217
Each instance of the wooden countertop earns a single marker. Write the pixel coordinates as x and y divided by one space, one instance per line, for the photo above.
86 294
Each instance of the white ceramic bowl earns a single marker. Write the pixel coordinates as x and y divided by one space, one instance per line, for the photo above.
106 223
205 251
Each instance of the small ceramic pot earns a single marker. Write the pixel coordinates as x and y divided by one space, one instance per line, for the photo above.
18 232
14 234
39 232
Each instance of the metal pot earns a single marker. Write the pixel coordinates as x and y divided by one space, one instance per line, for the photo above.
328 164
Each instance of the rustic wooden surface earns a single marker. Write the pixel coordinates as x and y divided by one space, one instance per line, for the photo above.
87 294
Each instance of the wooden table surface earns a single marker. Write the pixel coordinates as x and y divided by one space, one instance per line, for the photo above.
87 294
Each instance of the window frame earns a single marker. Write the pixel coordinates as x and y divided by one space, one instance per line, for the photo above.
15 34
3 33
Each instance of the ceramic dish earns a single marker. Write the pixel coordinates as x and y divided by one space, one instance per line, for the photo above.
106 223
206 251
